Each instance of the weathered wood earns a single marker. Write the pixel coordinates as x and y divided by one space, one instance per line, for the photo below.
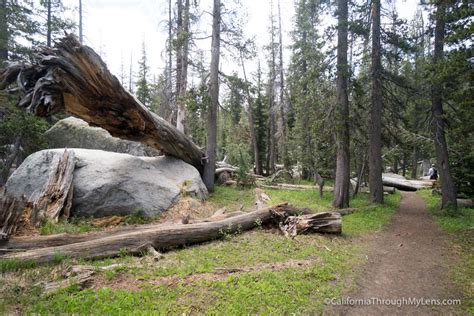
325 222
73 78
11 210
55 198
158 236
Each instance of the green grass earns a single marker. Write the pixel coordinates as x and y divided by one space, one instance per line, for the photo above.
459 225
7 265
300 290
71 226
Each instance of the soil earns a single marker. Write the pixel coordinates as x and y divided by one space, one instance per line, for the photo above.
410 258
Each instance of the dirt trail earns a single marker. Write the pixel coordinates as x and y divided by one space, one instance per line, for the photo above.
408 260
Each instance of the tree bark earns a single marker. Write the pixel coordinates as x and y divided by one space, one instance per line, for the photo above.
448 187
11 212
163 236
73 78
210 166
375 157
342 183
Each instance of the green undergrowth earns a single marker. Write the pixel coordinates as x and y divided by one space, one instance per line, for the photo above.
459 224
277 275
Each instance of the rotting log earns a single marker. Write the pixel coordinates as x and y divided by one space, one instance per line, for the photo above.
159 237
324 222
71 77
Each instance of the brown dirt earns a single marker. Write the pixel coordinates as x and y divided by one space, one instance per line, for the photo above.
408 259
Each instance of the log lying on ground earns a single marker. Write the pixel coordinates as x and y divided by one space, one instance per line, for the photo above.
324 222
293 187
73 78
465 203
404 184
159 237
19 244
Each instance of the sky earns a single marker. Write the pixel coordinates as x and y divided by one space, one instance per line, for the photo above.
116 29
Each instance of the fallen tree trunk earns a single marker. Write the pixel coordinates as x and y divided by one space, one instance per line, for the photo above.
406 185
320 222
159 237
20 244
73 78
465 203
294 187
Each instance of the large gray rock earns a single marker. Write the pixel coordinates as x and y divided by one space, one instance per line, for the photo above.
72 132
107 183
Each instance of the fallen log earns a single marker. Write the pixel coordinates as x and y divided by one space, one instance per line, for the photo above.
71 77
406 185
294 187
19 244
465 203
159 237
325 222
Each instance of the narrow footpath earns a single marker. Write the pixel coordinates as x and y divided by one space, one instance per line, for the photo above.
409 259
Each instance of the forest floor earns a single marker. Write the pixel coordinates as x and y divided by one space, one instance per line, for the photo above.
411 258
382 253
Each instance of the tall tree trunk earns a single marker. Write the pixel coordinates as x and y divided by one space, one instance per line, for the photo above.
342 182
375 158
448 188
49 24
282 131
182 62
272 105
253 133
4 35
209 168
81 39
169 74
414 162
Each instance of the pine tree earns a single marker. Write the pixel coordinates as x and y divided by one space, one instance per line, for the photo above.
16 22
210 167
375 156
143 88
55 22
341 185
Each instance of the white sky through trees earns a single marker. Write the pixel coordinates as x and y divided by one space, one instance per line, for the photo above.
116 28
